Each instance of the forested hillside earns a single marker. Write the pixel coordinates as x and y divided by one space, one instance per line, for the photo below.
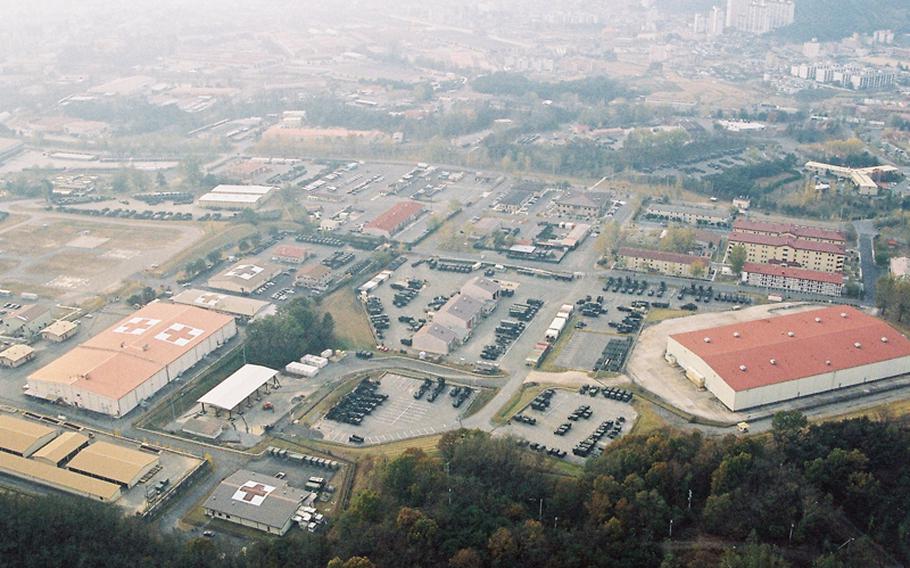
835 494
831 20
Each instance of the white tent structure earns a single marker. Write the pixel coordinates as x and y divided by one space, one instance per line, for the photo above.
239 387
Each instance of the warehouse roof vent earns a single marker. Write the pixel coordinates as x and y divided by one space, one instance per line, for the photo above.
818 320
843 314
742 368
773 361
828 362
791 334
858 345
736 334
707 340
884 340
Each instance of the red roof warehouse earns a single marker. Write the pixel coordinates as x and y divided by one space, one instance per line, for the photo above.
778 358
394 219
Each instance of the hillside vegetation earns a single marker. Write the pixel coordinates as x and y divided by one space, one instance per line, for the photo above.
833 494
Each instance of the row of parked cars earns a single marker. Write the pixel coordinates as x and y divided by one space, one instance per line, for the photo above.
613 393
130 214
357 404
542 401
607 428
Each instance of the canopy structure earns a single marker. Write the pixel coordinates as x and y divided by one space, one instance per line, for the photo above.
237 388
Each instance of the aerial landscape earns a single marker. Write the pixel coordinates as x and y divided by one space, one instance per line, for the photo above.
464 284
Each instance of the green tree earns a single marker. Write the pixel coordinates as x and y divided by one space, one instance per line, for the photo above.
737 258
121 182
678 239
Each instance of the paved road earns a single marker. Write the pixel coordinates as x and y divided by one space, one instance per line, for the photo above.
866 232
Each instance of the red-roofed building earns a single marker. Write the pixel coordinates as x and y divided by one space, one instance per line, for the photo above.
394 219
773 359
290 254
781 277
670 263
818 234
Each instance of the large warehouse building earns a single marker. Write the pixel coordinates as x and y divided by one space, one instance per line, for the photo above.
130 361
237 197
780 358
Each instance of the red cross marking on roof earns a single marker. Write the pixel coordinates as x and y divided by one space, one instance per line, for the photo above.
185 332
253 491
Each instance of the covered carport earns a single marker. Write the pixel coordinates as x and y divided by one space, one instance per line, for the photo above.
243 386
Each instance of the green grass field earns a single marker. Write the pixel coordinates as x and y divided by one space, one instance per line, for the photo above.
351 325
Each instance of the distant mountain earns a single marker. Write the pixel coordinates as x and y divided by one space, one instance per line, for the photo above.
830 20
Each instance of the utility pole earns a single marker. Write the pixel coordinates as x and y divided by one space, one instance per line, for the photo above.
540 510
671 529
790 538
690 499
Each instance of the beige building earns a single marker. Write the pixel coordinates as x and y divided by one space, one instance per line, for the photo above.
22 437
314 276
61 449
689 214
435 338
16 356
669 263
794 252
583 205
59 331
113 463
779 277
35 471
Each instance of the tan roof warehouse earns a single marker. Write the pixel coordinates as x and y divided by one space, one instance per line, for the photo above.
23 437
113 463
57 478
61 448
133 359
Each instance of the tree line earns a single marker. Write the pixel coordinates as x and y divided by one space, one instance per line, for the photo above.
297 329
831 495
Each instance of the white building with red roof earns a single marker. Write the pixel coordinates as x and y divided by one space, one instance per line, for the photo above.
779 277
773 359
394 219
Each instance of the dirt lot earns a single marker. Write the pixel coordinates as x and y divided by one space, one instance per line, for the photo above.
75 259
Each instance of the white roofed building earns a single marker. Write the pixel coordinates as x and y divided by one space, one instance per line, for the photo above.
239 387
237 196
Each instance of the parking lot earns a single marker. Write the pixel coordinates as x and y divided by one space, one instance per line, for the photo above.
399 416
562 404
353 194
440 283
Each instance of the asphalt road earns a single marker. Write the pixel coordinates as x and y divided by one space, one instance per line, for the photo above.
866 232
